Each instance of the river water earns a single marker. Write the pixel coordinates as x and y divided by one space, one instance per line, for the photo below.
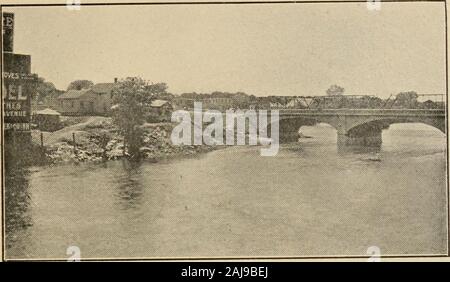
310 200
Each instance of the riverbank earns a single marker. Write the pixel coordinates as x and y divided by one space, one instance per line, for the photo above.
97 139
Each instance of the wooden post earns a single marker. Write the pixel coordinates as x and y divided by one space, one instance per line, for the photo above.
124 147
42 140
74 143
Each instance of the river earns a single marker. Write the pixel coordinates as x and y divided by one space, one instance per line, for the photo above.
310 200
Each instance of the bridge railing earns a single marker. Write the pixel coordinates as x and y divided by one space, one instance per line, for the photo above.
393 112
345 102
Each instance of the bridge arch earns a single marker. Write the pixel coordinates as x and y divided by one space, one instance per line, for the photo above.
367 130
384 123
362 129
289 126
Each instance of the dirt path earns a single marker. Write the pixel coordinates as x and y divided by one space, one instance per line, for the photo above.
66 132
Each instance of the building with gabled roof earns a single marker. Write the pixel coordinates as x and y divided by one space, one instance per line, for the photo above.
104 101
160 110
96 100
103 88
77 102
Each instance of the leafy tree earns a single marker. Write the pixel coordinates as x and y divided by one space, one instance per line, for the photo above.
375 103
160 90
43 89
429 104
80 84
335 90
132 96
406 99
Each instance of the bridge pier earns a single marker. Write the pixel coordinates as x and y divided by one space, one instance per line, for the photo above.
374 139
289 137
289 129
369 135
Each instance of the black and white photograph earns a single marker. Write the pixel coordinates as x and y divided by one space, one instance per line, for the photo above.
224 130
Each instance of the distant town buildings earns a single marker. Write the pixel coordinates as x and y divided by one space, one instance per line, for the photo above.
215 103
98 100
218 103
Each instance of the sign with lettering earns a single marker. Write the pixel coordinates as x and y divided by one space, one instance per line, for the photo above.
17 104
8 32
20 76
18 82
18 86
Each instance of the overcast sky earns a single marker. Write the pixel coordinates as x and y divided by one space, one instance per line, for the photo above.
276 49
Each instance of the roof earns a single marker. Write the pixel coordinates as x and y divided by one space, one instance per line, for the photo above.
48 112
73 94
158 103
102 87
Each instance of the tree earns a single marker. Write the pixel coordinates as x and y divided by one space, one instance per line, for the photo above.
407 99
132 96
160 87
160 91
44 89
80 84
335 90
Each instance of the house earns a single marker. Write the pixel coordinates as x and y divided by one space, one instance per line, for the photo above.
217 103
160 110
161 107
104 101
77 102
47 120
96 100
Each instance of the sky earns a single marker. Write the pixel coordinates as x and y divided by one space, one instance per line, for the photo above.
271 49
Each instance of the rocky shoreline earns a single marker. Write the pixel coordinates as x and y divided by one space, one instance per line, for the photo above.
100 141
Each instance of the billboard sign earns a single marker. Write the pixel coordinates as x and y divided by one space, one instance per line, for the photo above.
18 86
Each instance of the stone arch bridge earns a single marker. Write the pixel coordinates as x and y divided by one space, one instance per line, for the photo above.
357 126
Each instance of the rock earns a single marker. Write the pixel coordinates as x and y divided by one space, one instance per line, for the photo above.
91 145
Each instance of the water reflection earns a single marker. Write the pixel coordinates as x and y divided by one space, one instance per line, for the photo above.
130 189
358 149
18 204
